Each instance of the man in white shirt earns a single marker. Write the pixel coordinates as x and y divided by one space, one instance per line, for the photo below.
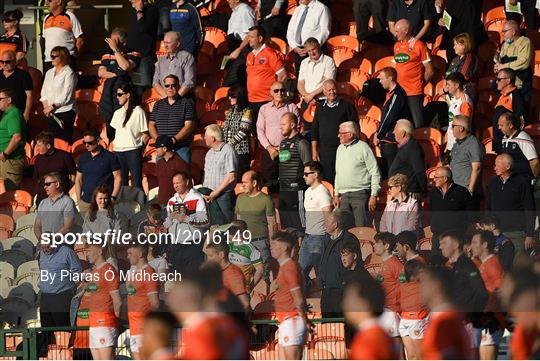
318 205
242 18
314 70
311 18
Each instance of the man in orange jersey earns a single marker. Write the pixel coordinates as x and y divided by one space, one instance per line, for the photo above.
446 337
489 336
385 243
142 293
104 302
362 305
413 67
290 302
207 333
414 314
233 277
158 330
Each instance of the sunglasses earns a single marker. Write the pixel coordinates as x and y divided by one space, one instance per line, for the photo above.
307 173
120 94
232 96
170 85
9 20
499 79
94 142
48 184
6 61
278 90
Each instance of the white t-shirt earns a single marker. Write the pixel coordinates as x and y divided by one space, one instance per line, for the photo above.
314 201
130 136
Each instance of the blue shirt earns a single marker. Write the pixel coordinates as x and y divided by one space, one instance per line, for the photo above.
96 171
186 20
51 265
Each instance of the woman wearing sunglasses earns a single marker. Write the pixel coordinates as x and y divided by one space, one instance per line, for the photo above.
13 39
131 126
58 95
238 126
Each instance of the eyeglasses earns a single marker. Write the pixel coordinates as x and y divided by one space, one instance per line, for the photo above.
93 142
170 85
499 79
120 94
6 61
308 173
281 90
438 176
48 184
343 133
456 125
54 56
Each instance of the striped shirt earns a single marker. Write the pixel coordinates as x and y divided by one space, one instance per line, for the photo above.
171 118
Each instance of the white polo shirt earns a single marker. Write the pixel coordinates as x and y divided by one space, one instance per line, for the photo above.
313 73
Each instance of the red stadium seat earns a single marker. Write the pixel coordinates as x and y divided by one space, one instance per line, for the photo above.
279 45
220 93
215 36
427 134
344 40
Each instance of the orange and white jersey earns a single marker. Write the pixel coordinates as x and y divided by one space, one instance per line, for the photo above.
410 300
98 292
461 105
446 337
389 279
492 273
60 30
289 279
138 289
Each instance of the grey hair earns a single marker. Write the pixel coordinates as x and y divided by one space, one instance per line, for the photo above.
352 127
405 125
174 34
215 131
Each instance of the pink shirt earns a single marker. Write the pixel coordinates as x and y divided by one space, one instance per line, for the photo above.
268 131
398 217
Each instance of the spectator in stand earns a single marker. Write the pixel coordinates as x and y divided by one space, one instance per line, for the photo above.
294 152
467 156
49 159
57 212
58 95
153 224
504 247
61 28
96 167
143 24
241 20
329 114
314 71
402 212
318 205
102 215
510 199
169 163
516 53
465 62
12 140
238 126
175 62
131 128
511 100
528 13
257 210
459 103
244 254
414 68
273 17
269 131
174 116
220 169
290 302
115 69
409 159
186 20
395 107
310 19
13 38
420 13
357 177
520 146
17 80
263 66
187 219
363 11
448 206
446 335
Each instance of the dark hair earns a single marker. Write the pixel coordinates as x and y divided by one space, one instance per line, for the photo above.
174 77
445 277
314 166
8 92
456 236
91 133
457 78
491 221
239 93
512 118
372 292
181 173
46 138
487 237
57 176
413 268
407 238
351 246
154 209
285 237
16 14
386 238
92 212
221 246
260 31
132 102
238 225
511 74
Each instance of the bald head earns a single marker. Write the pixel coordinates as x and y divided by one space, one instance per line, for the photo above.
403 29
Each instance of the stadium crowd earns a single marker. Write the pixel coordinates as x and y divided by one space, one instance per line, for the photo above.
385 178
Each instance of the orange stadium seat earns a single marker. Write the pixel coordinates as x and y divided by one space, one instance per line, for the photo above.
88 109
203 99
364 233
309 113
368 126
342 53
149 97
160 48
387 61
220 93
367 248
222 105
344 40
439 68
427 134
279 45
15 203
432 152
215 36
348 91
211 117
353 76
7 226
496 13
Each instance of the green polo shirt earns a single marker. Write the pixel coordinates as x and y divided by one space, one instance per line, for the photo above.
12 122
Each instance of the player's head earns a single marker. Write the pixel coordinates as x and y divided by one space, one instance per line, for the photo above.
95 253
385 242
437 285
349 253
218 252
282 244
363 299
137 253
413 269
154 213
482 244
406 243
158 332
451 244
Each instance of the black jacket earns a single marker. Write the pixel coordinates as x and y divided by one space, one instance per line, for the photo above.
449 211
394 108
331 269
409 161
470 293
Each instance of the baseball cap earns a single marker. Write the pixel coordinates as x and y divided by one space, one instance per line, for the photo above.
163 141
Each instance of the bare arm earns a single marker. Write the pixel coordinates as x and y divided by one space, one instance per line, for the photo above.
79 44
183 90
160 90
37 229
282 75
428 71
229 179
315 150
392 27
185 131
68 223
29 104
257 276
117 183
302 88
271 225
535 167
117 302
424 30
103 73
475 174
152 129
13 143
78 186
